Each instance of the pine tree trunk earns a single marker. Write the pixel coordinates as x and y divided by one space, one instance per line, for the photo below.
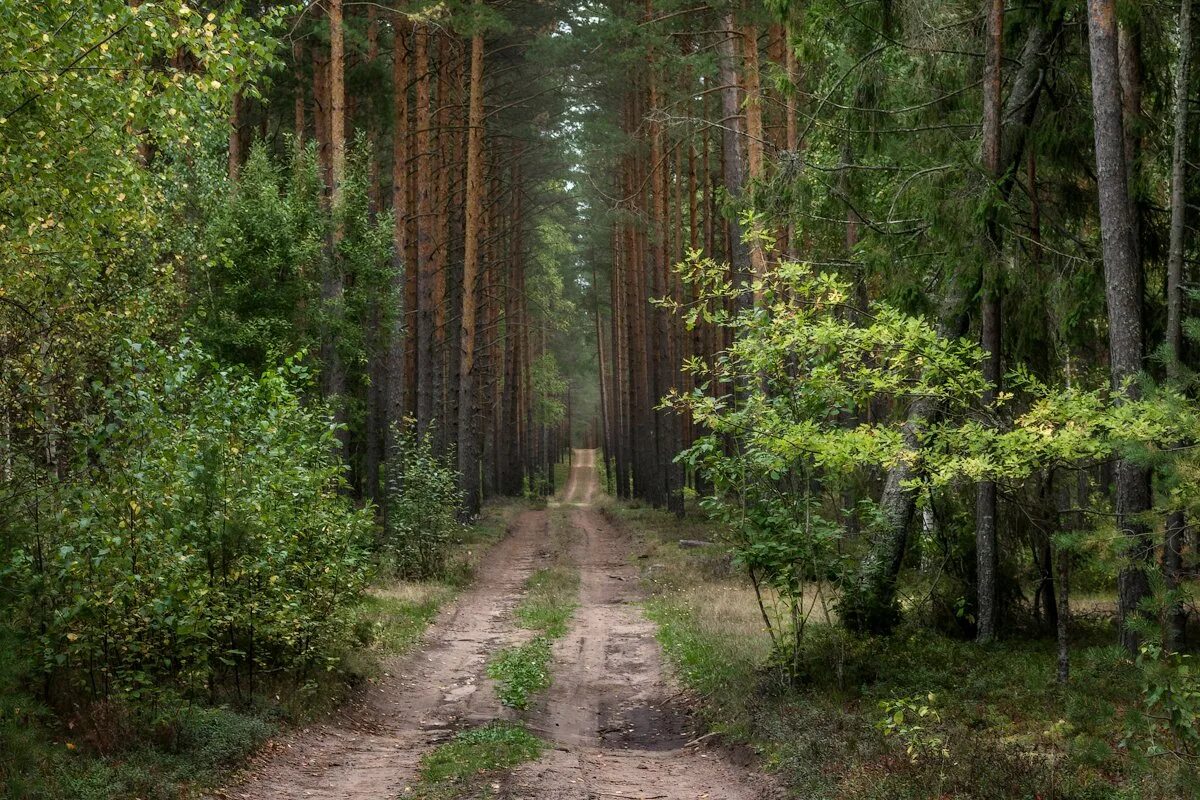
468 433
733 163
397 373
1176 529
990 320
333 280
426 362
1122 282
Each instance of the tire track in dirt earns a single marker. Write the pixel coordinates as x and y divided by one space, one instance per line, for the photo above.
611 714
372 748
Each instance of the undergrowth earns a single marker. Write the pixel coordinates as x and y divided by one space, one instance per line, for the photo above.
973 722
113 751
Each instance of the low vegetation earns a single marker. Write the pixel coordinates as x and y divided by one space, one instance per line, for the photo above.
551 594
916 714
466 765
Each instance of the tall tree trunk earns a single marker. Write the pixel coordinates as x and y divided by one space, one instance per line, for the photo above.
1122 284
468 433
1176 529
733 163
333 281
754 130
990 319
397 372
426 236
374 335
511 458
441 248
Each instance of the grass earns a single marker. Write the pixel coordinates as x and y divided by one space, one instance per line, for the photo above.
549 601
1007 728
466 765
551 596
521 671
112 752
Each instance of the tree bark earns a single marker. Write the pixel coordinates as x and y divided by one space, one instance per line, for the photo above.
468 433
990 320
426 237
1121 283
333 280
1176 529
733 163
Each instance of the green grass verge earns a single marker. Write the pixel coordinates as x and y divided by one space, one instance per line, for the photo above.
466 765
1001 726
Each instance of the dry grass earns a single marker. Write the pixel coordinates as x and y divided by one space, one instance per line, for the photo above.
412 592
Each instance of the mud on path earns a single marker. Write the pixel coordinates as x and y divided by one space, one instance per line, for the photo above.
613 724
371 749
613 718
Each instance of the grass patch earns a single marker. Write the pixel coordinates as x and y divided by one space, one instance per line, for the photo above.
391 619
1000 727
521 671
549 601
551 596
463 766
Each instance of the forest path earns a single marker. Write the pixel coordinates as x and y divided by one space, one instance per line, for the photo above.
370 750
613 718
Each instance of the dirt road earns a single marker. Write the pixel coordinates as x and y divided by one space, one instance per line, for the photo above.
614 727
611 714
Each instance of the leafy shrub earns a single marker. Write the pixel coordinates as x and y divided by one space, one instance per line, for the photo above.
200 539
1169 723
423 506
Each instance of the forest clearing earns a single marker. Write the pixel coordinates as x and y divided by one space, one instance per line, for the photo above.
594 399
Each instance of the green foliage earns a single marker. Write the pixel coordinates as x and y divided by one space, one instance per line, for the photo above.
549 388
423 507
521 671
202 534
151 756
914 721
462 765
1169 723
262 247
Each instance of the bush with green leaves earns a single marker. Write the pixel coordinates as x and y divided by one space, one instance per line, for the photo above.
1168 722
200 540
423 505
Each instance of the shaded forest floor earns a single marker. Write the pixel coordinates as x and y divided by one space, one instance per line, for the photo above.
998 724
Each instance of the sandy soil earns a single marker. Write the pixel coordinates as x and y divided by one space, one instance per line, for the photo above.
371 749
613 719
